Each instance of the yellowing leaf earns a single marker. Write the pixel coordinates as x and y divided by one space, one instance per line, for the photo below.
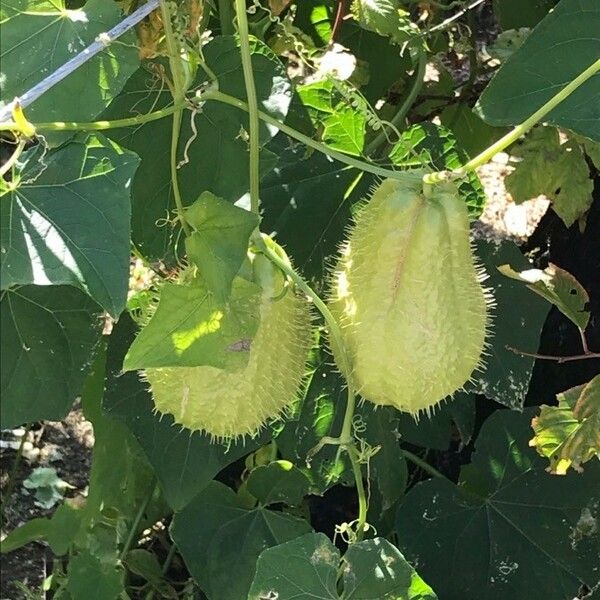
569 434
559 171
558 287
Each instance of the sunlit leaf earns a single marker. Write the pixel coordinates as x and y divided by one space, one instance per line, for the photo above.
569 434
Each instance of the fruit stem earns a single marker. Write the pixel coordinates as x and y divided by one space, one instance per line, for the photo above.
346 438
178 92
254 123
512 136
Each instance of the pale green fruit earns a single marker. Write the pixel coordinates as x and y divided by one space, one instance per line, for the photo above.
230 404
408 296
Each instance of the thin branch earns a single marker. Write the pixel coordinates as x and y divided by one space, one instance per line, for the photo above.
558 359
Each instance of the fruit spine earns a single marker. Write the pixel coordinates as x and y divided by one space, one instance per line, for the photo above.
231 404
408 297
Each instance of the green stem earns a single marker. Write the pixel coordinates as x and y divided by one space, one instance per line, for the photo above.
417 84
178 92
136 522
10 486
360 489
102 125
422 464
10 163
254 122
307 141
165 567
512 136
226 17
346 438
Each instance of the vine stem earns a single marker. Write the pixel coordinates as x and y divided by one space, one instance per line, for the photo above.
422 464
178 92
304 139
521 129
346 438
101 125
165 567
10 163
558 359
399 117
136 522
254 122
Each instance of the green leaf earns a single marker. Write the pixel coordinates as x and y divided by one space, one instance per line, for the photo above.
516 321
319 413
569 434
561 47
39 36
217 155
508 528
280 481
191 328
387 467
308 567
219 243
521 13
48 339
69 224
214 532
558 287
385 17
507 43
90 578
184 462
556 170
313 190
454 416
437 148
145 564
472 134
49 487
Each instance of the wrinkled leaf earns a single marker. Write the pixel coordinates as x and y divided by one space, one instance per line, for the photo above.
562 46
557 286
219 242
214 531
70 224
508 528
560 172
569 434
191 328
279 481
49 335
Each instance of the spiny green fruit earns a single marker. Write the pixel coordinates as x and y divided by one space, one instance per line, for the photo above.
230 404
408 297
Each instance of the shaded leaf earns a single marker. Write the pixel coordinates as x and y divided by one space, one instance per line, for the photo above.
521 13
217 156
90 578
214 531
569 434
184 462
517 321
70 224
279 481
559 171
455 415
219 243
39 36
508 528
562 46
308 567
191 328
557 286
49 335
